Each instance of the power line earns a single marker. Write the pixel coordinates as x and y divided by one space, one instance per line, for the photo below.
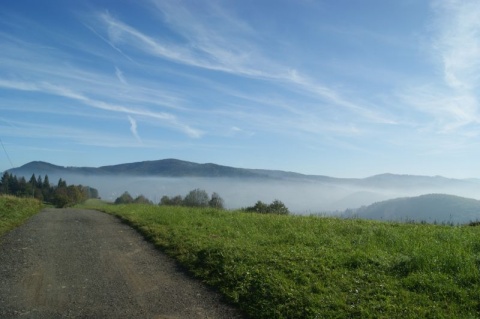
6 153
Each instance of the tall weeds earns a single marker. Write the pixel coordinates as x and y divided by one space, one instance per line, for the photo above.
14 211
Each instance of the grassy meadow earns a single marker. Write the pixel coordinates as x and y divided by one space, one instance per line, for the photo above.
14 211
275 266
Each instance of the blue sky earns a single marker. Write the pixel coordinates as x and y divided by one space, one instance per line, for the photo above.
340 88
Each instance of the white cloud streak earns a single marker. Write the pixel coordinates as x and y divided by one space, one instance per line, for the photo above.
453 100
120 76
450 97
458 42
133 128
208 48
60 91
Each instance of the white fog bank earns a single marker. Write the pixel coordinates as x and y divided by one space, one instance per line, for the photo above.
300 197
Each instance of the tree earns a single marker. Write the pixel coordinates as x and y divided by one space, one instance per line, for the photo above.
4 183
165 200
68 196
276 207
142 200
92 192
46 183
196 198
60 197
216 201
61 183
259 207
33 181
125 198
13 186
24 189
75 194
39 183
171 201
47 190
176 200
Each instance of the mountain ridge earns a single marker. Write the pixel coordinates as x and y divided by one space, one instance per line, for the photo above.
242 186
427 207
171 167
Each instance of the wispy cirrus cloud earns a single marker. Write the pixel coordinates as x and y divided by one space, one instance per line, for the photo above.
49 88
133 128
27 61
458 42
209 47
120 34
452 98
120 76
67 134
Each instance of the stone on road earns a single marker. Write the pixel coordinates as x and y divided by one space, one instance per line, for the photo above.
71 263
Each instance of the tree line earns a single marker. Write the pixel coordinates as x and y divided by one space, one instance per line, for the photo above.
60 195
275 207
200 198
195 198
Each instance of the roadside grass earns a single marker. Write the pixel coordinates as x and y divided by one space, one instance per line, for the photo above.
14 211
275 266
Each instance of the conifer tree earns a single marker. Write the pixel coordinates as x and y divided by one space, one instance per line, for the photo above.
46 183
33 181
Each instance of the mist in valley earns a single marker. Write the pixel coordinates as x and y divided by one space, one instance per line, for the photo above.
301 197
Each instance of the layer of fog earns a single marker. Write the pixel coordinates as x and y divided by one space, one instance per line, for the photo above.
300 197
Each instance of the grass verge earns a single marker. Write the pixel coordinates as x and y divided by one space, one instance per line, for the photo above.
275 266
14 211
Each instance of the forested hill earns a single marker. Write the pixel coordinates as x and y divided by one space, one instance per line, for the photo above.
166 168
429 208
179 168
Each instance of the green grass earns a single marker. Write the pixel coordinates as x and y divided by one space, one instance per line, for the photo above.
14 211
275 266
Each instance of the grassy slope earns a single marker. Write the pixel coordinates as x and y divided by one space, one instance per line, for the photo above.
309 267
14 211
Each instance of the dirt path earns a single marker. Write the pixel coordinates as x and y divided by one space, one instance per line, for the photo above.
85 264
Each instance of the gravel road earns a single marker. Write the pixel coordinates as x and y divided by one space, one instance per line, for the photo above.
71 263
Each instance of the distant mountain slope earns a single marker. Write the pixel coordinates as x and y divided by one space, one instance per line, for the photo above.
242 187
165 168
38 167
403 181
430 208
358 199
179 168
